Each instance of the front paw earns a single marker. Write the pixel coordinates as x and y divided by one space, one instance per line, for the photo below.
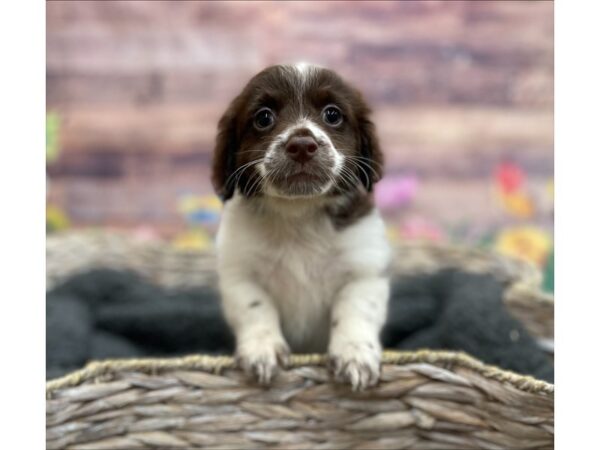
260 357
355 362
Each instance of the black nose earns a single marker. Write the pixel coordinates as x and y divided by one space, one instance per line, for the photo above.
301 148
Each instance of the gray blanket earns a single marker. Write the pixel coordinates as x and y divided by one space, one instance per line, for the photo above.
107 314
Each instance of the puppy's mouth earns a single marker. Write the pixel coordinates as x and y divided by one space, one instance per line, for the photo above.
304 181
303 177
302 166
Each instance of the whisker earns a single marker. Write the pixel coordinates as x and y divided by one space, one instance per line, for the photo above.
348 177
241 170
358 166
256 182
365 162
368 161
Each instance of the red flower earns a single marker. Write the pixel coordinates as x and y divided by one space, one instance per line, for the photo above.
509 177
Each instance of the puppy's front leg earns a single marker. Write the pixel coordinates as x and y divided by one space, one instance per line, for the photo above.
358 315
260 345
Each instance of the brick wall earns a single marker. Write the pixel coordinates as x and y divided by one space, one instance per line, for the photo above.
456 86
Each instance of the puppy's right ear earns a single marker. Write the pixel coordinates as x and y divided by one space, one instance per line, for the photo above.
223 164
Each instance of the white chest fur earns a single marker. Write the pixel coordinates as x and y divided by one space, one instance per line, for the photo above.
300 260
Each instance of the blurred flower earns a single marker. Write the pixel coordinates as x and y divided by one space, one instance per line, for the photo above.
198 209
509 177
145 233
550 188
421 229
395 191
56 220
200 216
196 239
52 129
519 204
510 180
392 234
191 202
527 243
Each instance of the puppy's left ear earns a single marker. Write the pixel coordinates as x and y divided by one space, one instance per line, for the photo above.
371 157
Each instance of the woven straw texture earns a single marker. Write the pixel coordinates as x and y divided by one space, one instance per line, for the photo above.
425 400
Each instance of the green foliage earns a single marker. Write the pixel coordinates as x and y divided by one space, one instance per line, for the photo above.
487 239
52 130
549 273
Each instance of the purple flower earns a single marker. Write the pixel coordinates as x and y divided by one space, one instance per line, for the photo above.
395 191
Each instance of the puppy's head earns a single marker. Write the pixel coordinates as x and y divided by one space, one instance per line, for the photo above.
296 131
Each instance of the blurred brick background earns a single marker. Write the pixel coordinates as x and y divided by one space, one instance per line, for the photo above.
139 86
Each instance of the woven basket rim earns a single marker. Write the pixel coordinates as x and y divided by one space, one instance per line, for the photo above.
215 364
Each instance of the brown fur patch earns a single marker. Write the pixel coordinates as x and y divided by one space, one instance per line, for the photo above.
353 207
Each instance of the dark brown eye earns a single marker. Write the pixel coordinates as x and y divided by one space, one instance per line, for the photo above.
263 119
332 115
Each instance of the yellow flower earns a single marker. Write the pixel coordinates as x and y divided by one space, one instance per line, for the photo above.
55 219
518 204
550 188
190 203
210 202
193 240
527 243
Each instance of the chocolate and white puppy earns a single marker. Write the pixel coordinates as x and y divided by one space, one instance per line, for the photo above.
302 252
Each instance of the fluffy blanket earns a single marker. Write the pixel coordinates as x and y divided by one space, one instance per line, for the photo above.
111 314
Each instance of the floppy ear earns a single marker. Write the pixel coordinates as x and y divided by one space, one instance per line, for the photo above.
223 164
371 160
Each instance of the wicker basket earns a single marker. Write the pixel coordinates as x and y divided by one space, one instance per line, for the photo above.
425 400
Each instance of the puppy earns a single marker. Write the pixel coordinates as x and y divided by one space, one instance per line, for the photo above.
302 252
